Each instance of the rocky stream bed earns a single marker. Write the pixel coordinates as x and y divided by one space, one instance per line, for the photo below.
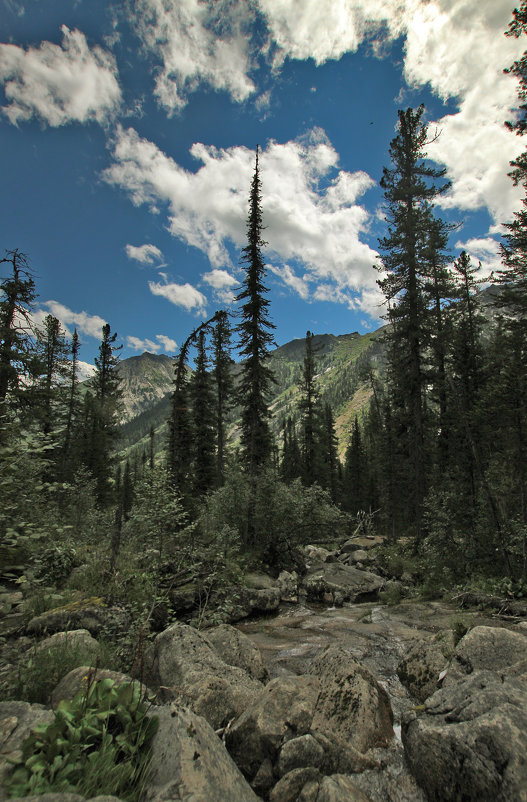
323 695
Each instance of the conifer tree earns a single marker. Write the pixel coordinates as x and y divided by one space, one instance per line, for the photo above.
309 413
356 474
54 350
409 189
73 406
327 447
204 439
221 338
291 462
255 338
17 295
102 413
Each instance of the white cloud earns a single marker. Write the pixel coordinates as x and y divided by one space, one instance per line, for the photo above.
168 345
59 85
310 208
298 284
457 47
145 254
179 294
485 250
199 43
82 321
220 279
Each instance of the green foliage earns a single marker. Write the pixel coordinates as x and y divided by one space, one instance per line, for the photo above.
459 627
97 744
55 564
285 515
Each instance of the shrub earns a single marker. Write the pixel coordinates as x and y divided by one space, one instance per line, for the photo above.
97 744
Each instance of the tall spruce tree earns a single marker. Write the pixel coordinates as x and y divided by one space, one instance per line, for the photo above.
221 339
17 295
204 433
409 189
255 339
102 413
309 414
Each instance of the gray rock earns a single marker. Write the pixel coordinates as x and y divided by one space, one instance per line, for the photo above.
289 787
359 556
76 640
77 679
341 757
257 580
421 666
283 710
309 792
469 743
351 702
350 583
340 788
298 753
190 764
190 671
264 779
288 584
17 719
55 797
236 649
90 614
482 648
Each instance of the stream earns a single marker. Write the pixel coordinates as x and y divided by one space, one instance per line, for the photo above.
375 635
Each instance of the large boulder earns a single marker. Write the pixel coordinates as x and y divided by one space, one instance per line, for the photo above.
324 581
190 764
17 719
421 666
340 788
298 753
78 679
486 648
91 614
352 705
289 787
189 670
77 640
282 711
236 649
469 742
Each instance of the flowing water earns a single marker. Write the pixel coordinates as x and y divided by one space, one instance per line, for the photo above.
375 635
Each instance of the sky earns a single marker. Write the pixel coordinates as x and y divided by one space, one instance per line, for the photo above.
128 134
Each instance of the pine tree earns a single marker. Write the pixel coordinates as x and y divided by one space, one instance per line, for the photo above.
221 337
291 462
309 413
327 447
255 338
73 407
204 440
102 405
356 474
52 382
409 190
17 295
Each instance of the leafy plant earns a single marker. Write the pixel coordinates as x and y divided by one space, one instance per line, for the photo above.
98 743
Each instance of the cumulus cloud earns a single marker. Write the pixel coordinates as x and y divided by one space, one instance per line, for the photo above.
220 279
287 275
310 207
184 295
456 48
145 254
199 43
485 250
59 85
165 344
82 321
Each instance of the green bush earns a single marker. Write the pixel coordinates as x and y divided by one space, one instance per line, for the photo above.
98 743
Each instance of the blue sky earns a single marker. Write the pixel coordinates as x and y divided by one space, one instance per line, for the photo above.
128 133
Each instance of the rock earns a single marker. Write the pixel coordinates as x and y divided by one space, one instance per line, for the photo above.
17 719
483 648
288 584
55 797
264 779
184 598
421 666
264 600
351 702
469 743
90 614
318 553
189 670
341 757
340 788
236 649
298 753
289 787
77 640
77 679
350 583
282 711
257 580
309 792
359 556
190 763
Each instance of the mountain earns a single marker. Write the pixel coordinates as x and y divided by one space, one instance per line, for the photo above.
148 382
145 380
